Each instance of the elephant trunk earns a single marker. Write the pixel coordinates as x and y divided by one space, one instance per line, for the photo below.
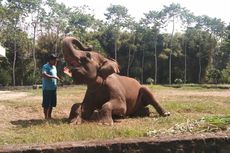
69 50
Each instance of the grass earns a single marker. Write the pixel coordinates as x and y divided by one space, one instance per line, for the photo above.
194 110
220 121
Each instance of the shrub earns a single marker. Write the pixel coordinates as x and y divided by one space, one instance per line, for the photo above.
178 81
225 78
150 81
5 77
213 76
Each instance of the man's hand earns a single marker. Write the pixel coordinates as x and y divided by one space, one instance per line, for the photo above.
57 78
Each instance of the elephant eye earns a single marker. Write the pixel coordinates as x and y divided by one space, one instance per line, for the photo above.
88 55
84 60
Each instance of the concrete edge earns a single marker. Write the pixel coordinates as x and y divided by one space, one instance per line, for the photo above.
121 144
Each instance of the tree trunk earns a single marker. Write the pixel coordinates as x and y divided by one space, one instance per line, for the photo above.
170 54
15 53
155 52
142 65
128 67
185 62
199 77
115 50
34 54
56 43
131 58
14 61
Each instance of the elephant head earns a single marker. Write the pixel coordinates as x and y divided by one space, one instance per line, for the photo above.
84 64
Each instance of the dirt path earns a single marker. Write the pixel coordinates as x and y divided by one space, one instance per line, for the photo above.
7 95
225 93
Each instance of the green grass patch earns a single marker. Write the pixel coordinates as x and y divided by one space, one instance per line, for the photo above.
220 121
197 107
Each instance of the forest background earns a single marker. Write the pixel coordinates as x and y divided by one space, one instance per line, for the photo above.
197 52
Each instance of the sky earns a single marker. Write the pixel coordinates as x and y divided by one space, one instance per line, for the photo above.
137 8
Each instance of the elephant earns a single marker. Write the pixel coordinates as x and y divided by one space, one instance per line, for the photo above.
107 92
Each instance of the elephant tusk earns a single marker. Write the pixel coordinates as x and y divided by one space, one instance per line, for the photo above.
72 67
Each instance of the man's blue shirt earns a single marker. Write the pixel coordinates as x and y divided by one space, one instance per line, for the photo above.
49 83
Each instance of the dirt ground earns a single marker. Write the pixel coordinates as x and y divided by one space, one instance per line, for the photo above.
25 107
7 95
11 111
7 112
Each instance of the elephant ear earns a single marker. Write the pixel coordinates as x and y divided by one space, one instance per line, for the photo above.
108 66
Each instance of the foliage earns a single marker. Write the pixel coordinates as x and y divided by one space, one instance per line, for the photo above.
213 76
118 15
30 29
5 77
150 80
178 81
80 22
226 74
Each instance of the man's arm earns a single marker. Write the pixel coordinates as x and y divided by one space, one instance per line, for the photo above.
45 75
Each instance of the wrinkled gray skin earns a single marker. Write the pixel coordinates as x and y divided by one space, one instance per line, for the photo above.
107 92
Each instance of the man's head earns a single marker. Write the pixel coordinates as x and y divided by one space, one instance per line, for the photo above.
52 59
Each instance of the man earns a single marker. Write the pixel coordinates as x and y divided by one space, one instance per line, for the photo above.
49 85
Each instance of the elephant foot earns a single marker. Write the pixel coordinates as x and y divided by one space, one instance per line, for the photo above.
76 120
165 114
106 122
95 116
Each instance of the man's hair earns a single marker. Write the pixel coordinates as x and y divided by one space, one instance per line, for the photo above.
51 57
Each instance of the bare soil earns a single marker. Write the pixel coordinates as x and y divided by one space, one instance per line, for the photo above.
14 113
7 95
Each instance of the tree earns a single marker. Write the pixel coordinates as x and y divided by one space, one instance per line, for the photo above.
223 55
198 53
132 50
35 18
187 20
154 20
56 20
118 17
80 22
215 27
17 11
173 13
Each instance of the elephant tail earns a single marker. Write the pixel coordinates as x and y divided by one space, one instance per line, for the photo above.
72 40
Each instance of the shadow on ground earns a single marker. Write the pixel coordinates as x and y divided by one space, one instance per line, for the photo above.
144 112
34 122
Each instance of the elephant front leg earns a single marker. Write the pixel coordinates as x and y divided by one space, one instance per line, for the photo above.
80 113
112 107
75 114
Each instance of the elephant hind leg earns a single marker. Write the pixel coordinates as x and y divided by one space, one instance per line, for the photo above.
147 98
74 116
112 107
141 112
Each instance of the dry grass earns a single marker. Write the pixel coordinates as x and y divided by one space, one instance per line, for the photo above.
21 116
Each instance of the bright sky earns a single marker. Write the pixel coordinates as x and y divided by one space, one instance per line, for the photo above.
136 8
